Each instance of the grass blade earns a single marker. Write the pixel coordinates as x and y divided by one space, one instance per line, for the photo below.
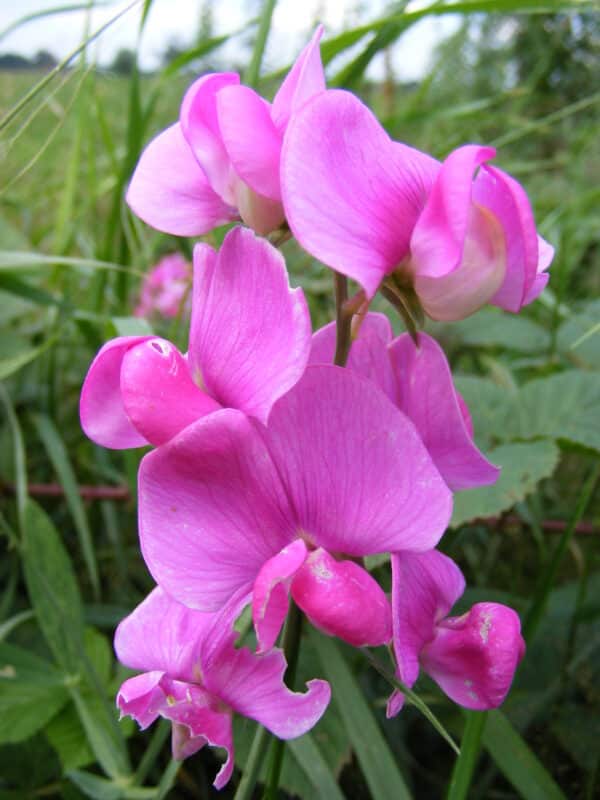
470 746
19 458
309 757
264 25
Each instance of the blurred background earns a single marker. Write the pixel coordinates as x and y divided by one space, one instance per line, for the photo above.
83 87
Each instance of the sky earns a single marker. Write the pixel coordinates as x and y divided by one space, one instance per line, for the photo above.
178 21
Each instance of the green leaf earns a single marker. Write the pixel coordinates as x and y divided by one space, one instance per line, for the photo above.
17 259
578 338
67 737
31 693
490 406
374 756
524 465
95 787
12 364
20 464
131 326
464 766
308 756
493 328
516 761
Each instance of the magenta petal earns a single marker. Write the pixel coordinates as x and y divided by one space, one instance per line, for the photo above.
427 396
368 354
425 586
342 599
253 686
142 698
158 393
101 410
474 657
270 596
212 510
351 194
200 125
250 333
170 192
356 472
305 79
252 141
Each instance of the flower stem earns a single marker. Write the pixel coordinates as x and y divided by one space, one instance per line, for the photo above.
343 320
245 788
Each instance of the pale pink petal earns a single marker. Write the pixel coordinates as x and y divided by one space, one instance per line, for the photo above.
212 510
426 394
270 596
537 287
250 333
395 704
351 194
142 698
170 192
101 410
500 194
368 354
161 634
357 474
425 586
158 393
474 657
253 686
305 79
343 600
251 139
200 125
545 256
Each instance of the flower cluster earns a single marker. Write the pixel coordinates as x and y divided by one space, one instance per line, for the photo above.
274 470
165 289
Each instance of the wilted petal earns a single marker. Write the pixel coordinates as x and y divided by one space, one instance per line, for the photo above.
250 333
101 410
142 698
212 510
159 395
270 596
368 354
342 599
474 657
251 139
305 79
426 394
425 586
351 194
357 474
200 125
170 192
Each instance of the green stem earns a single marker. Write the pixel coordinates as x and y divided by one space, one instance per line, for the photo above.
470 745
343 320
253 70
260 743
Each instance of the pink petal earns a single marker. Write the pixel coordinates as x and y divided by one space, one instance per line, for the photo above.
161 634
305 79
545 256
474 657
355 470
425 586
351 195
250 333
251 139
368 353
101 410
212 510
158 393
200 125
170 192
500 194
428 397
342 599
142 698
270 596
253 686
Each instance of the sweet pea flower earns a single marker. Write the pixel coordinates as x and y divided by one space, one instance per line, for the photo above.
339 473
193 675
220 162
473 658
458 234
419 381
249 343
165 287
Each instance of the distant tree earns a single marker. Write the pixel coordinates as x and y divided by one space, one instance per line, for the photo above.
124 62
11 61
44 60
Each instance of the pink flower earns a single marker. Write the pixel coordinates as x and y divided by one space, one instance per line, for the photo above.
473 658
419 381
194 676
249 343
459 234
220 162
165 287
339 473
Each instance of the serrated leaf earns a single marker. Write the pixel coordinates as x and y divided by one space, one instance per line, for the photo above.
524 465
493 328
489 405
31 693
